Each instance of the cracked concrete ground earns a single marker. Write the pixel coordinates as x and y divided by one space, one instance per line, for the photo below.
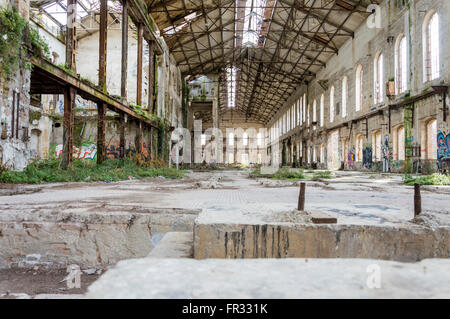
352 197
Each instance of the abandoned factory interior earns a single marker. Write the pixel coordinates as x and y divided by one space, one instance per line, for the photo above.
251 149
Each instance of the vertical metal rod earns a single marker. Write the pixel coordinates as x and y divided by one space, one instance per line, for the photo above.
301 197
102 45
151 75
101 132
417 200
123 86
69 101
122 135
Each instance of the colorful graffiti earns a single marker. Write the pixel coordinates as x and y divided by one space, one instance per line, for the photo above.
351 158
87 151
443 150
113 151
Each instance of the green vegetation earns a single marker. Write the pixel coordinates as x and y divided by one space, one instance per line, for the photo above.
283 174
50 171
322 175
18 43
66 68
287 174
434 179
290 174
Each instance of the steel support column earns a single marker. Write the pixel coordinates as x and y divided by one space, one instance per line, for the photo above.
69 101
124 70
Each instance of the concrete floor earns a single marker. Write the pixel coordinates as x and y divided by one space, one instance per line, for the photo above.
355 198
352 197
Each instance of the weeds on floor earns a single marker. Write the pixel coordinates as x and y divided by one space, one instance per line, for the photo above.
322 175
50 171
434 179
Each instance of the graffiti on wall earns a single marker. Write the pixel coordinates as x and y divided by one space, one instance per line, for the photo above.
443 150
86 151
351 158
113 151
367 157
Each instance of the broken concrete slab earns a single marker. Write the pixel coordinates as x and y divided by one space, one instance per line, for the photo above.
86 234
174 245
292 235
272 278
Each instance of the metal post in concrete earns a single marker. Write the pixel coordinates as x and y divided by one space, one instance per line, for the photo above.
301 197
417 200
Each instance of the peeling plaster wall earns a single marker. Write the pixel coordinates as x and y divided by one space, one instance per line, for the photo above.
362 49
14 145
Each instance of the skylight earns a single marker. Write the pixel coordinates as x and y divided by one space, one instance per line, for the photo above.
254 15
231 86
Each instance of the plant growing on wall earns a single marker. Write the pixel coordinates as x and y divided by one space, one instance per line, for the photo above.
18 43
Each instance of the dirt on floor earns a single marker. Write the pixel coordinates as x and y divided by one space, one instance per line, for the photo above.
39 281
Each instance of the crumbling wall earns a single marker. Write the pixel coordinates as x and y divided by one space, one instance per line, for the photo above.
361 50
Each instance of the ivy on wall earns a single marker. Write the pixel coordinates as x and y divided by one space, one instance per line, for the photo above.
18 43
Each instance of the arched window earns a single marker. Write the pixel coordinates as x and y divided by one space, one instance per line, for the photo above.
245 139
399 151
332 104
259 139
359 87
322 106
203 139
298 112
314 116
307 116
431 146
304 108
359 148
431 47
401 65
231 139
378 79
344 96
376 146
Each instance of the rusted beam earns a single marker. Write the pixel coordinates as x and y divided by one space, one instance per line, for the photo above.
139 138
122 126
70 34
69 102
101 133
124 70
139 64
102 45
151 75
